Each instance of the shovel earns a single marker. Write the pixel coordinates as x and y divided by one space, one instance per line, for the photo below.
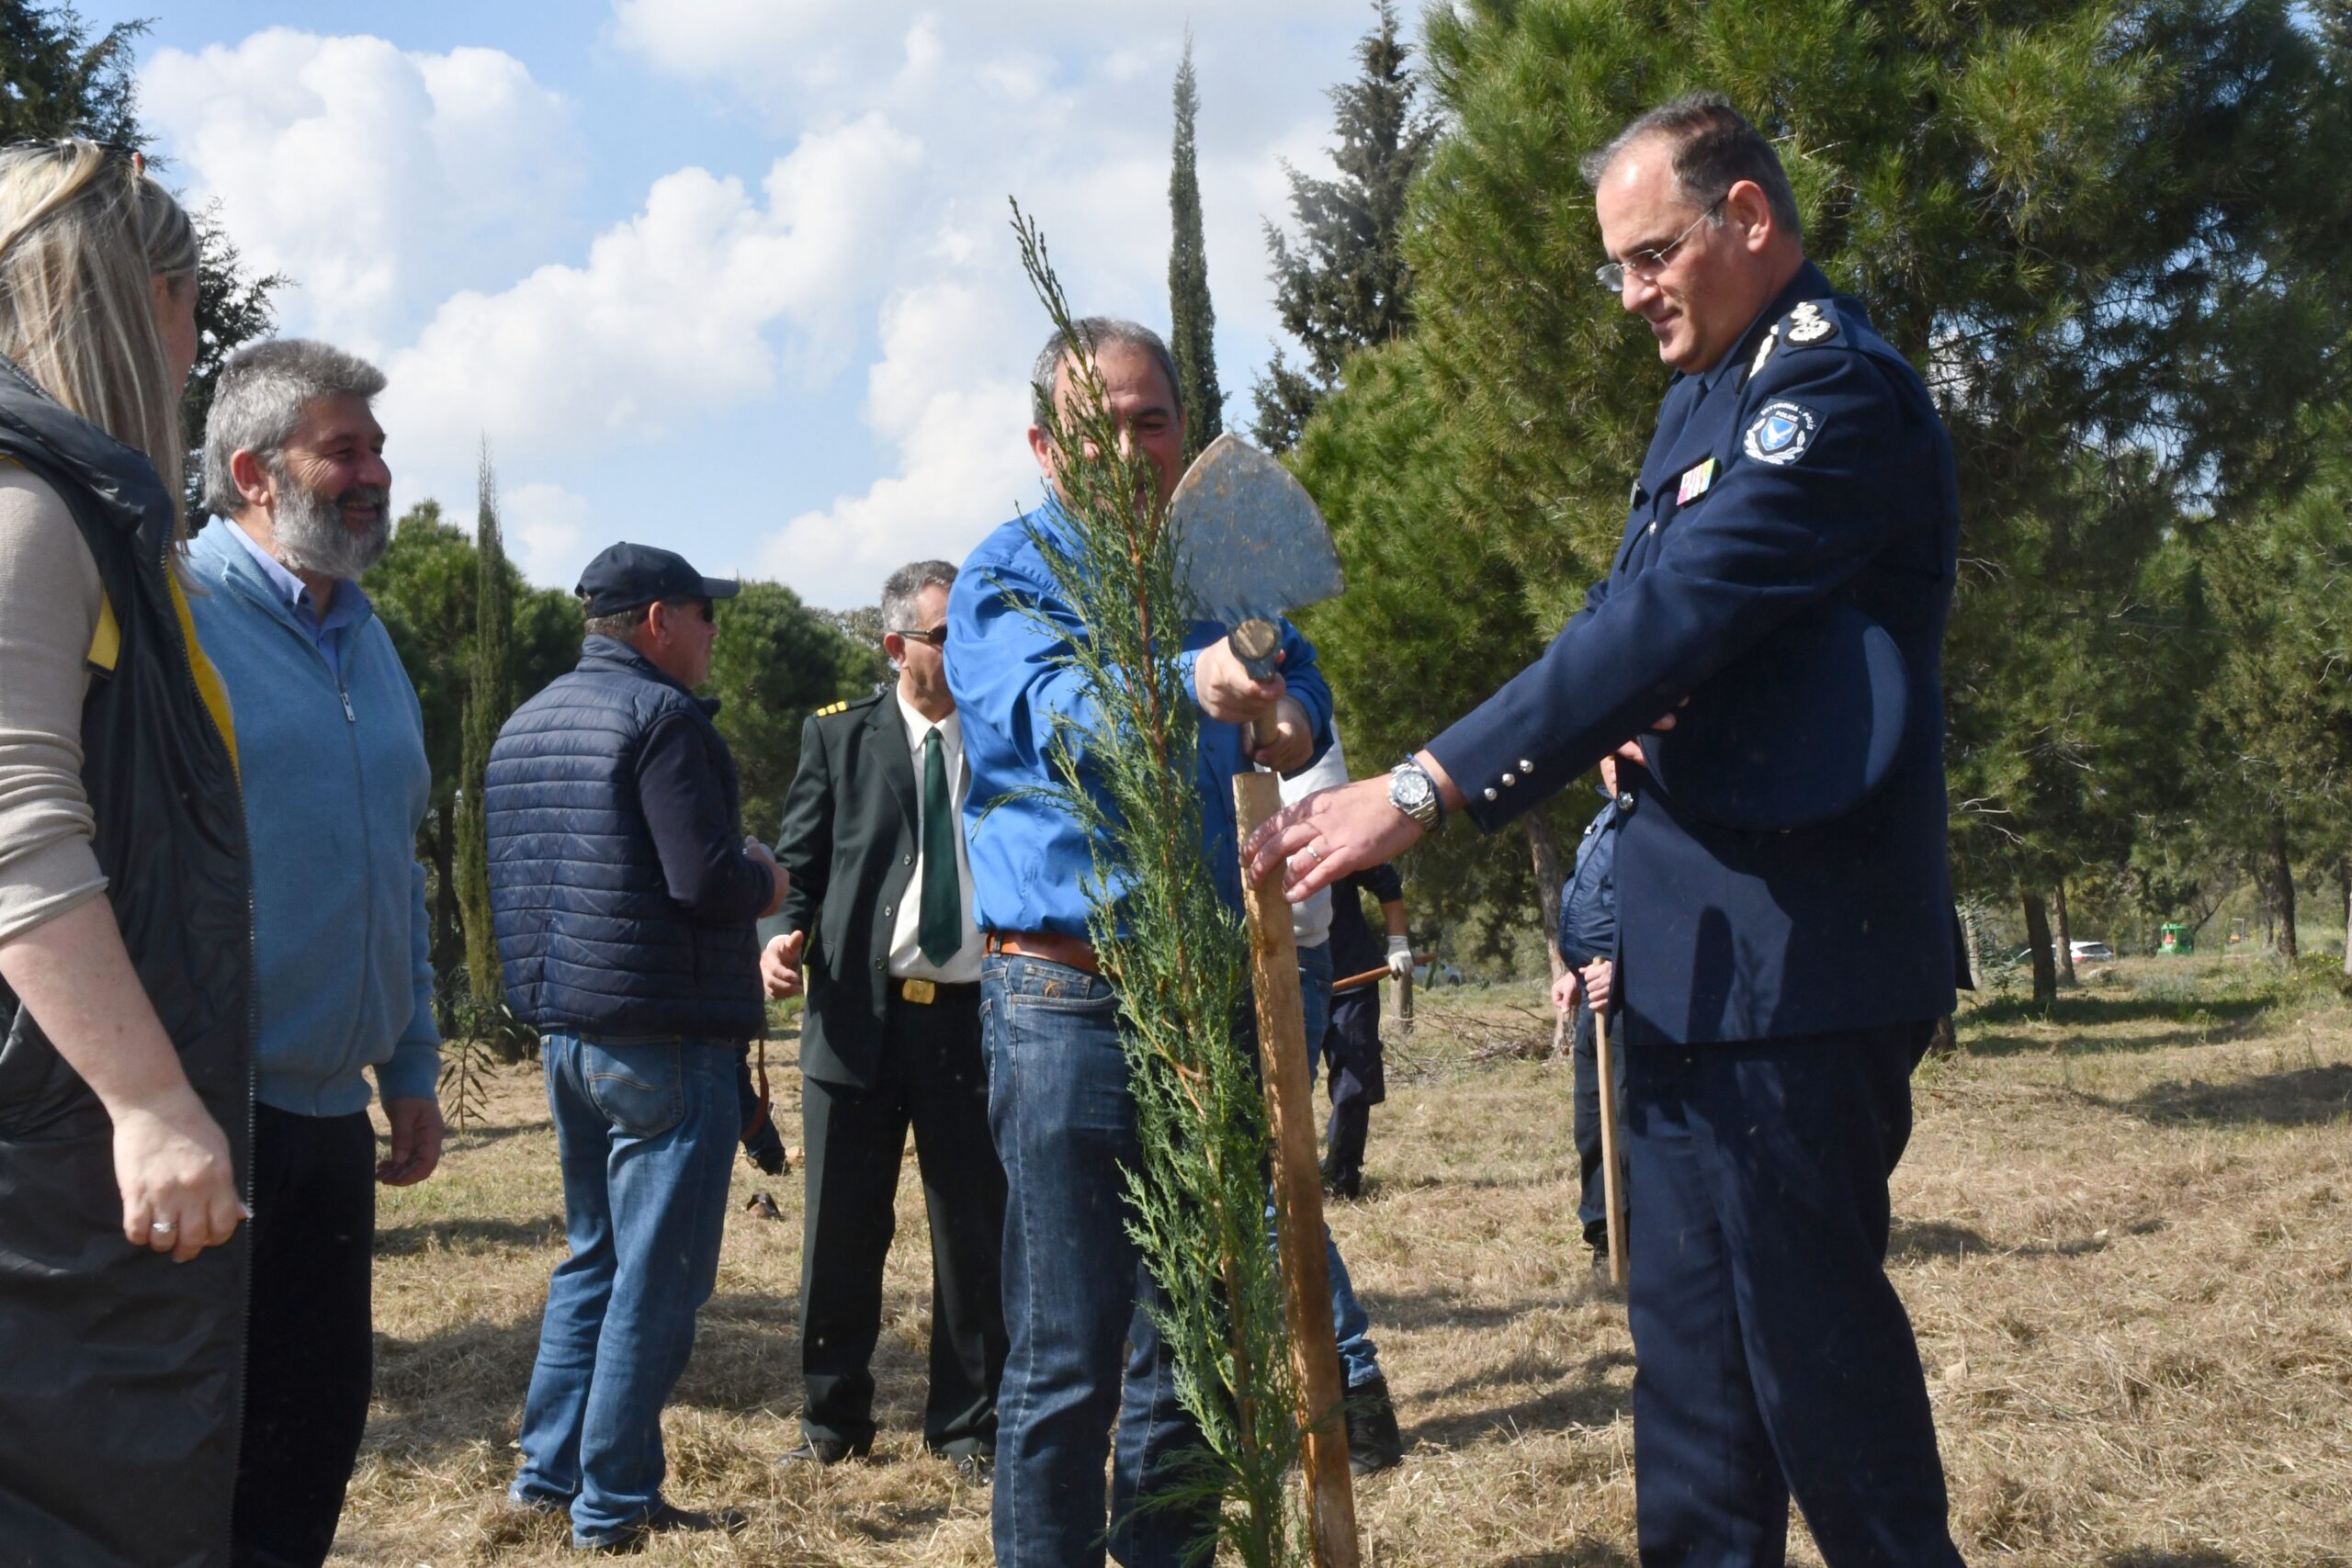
1252 547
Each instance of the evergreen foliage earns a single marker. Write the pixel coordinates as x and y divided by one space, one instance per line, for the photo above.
424 590
774 661
489 698
58 79
1192 320
2105 230
1180 961
1345 285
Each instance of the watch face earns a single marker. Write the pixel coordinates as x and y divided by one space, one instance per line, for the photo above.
1410 790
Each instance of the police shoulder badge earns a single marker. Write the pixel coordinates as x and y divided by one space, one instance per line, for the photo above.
1781 432
1807 325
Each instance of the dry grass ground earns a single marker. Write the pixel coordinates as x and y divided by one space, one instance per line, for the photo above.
2125 1236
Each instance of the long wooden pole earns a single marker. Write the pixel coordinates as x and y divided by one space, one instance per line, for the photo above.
1612 1187
1298 1194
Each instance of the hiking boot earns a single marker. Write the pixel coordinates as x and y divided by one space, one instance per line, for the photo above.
1341 1181
1373 1442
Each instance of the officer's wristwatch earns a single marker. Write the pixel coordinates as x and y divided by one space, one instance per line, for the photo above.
1414 792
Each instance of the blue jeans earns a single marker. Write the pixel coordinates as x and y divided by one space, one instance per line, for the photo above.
646 1136
1358 1358
1075 1287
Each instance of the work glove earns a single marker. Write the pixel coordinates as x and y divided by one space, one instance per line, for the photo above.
1400 957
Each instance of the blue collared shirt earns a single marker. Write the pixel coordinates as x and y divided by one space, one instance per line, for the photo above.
1030 861
348 608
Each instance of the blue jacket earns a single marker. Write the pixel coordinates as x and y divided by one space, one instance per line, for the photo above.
335 784
1807 468
623 898
1030 861
1589 899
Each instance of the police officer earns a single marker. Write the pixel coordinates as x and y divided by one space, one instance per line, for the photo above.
1783 899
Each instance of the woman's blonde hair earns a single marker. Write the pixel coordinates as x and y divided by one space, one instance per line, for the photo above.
84 232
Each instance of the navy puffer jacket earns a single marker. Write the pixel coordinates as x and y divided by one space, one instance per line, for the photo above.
1589 899
590 938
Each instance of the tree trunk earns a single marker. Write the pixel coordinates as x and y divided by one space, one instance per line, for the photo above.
2344 880
1543 847
2062 947
2283 883
449 946
2037 941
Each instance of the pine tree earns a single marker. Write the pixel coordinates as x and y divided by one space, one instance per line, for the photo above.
1180 961
1193 321
2100 229
488 700
1346 285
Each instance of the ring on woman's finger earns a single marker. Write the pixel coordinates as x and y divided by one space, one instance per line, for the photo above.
163 1227
1315 850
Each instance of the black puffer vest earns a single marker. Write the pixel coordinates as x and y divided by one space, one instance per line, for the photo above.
120 1372
590 939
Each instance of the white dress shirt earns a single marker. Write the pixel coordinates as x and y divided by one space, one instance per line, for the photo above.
906 961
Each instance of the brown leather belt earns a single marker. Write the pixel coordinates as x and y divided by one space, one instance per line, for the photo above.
1077 952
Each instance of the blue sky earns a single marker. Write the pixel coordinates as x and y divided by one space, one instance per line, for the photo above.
730 275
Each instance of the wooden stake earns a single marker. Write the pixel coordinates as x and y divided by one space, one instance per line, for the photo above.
1298 1194
1613 1188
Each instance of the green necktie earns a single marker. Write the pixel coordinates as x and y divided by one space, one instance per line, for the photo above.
941 932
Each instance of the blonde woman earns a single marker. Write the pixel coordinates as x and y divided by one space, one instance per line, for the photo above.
124 924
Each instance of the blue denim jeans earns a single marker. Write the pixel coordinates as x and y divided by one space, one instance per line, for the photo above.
646 1136
1075 1287
1358 1358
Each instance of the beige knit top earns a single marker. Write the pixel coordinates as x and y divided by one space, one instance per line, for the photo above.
50 597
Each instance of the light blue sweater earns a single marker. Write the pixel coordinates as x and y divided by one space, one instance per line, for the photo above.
336 783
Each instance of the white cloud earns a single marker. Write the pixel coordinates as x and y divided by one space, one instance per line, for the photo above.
546 527
668 317
942 397
378 179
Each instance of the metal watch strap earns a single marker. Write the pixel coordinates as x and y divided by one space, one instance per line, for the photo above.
1430 811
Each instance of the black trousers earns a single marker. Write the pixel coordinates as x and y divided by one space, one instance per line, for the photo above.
309 1336
1773 1359
931 1077
1357 1078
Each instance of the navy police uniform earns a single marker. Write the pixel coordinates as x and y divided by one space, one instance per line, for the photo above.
1777 977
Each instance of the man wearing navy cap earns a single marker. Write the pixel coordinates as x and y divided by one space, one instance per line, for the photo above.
625 895
1783 903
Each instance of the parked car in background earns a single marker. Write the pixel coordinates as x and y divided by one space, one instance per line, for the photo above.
2093 951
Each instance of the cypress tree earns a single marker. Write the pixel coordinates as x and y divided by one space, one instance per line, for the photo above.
1180 961
489 699
1346 285
1193 339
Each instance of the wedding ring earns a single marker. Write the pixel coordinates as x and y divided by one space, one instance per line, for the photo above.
163 1227
1315 851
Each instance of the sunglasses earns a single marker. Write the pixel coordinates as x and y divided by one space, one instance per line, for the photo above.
936 636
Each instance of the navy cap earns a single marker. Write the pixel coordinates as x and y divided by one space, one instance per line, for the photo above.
625 576
1798 732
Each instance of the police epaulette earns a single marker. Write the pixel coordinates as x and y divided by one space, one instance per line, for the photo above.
1809 324
828 711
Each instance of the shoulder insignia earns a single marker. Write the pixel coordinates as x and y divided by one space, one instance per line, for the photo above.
1781 432
1809 324
830 710
1763 352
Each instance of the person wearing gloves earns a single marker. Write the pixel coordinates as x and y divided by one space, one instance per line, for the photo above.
1587 938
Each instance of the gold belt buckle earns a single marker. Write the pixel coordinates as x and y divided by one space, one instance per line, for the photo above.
923 991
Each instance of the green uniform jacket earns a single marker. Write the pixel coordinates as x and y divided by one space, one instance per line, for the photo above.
849 843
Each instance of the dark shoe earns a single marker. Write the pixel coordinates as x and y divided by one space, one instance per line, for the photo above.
1341 1181
1373 1442
666 1518
825 1451
974 1467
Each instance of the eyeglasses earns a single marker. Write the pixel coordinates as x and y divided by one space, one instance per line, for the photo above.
936 636
1647 264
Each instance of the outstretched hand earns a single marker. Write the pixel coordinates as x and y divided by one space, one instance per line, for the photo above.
1328 835
780 965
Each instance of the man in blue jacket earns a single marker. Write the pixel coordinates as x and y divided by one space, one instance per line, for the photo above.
331 752
1588 942
1075 1291
1784 916
625 895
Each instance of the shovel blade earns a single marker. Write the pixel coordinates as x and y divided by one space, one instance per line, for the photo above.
1248 539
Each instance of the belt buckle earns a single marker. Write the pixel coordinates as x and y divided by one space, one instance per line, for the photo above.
924 992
